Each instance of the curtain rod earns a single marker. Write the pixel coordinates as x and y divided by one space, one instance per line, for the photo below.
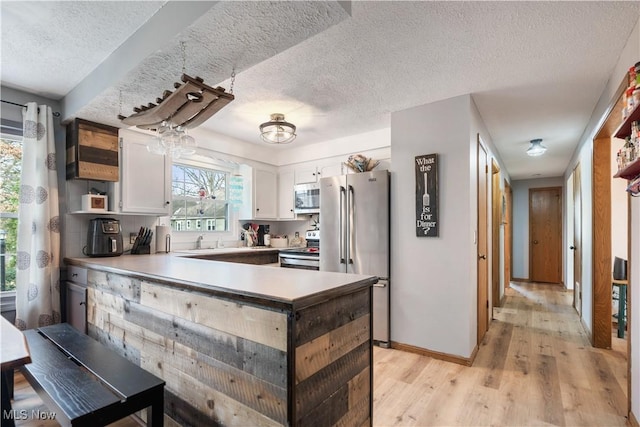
55 113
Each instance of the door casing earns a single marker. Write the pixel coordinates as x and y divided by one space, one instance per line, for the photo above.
483 263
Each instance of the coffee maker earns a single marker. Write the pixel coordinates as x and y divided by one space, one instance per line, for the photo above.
263 230
104 238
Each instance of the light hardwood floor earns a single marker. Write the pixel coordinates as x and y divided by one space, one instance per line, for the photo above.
535 367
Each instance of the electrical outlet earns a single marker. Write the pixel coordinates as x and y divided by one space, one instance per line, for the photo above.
132 238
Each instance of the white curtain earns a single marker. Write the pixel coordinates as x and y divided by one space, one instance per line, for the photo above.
38 249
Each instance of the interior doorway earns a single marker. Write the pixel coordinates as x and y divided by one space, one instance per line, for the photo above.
507 221
606 193
483 268
545 235
496 224
576 247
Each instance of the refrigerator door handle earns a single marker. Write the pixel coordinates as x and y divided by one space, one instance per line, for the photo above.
343 196
351 215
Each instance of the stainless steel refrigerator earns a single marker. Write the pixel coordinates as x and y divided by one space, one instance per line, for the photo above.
354 235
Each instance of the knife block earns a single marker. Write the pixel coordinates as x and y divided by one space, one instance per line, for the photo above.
142 250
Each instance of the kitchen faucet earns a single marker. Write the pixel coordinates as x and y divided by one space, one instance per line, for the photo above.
199 242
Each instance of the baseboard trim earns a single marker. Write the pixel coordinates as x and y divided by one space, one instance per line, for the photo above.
633 420
518 279
436 354
504 297
584 327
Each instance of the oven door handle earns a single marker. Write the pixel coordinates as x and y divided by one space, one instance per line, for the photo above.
301 262
299 256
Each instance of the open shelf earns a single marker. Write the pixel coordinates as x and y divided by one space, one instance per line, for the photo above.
624 130
631 171
94 212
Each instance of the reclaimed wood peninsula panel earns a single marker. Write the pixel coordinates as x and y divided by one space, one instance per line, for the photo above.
230 361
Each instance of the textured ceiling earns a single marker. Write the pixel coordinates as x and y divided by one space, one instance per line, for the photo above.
535 69
49 47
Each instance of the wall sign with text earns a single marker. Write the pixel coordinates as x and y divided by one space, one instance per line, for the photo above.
427 195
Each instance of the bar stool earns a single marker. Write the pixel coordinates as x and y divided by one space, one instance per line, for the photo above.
620 280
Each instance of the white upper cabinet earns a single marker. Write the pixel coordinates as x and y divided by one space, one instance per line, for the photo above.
310 174
285 195
266 194
306 175
260 194
145 178
335 169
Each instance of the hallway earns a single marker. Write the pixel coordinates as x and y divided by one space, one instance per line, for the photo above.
535 367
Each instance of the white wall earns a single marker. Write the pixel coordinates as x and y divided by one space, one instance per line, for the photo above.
478 128
583 154
634 291
376 143
433 279
630 55
586 168
569 232
520 189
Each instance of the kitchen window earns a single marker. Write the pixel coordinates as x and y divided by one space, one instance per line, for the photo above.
199 199
10 168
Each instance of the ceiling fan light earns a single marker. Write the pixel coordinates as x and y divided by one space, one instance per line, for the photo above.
536 148
277 131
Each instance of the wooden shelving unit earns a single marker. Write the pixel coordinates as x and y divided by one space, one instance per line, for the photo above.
624 130
631 171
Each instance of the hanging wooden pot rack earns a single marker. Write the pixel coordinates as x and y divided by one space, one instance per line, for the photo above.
190 105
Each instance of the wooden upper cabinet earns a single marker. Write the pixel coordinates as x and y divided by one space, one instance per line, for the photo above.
92 151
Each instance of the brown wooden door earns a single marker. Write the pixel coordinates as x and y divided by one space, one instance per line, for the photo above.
496 222
545 235
507 233
483 269
577 241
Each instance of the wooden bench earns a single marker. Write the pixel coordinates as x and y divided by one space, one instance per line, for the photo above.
85 383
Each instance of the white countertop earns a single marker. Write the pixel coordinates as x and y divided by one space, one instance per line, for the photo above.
213 251
264 283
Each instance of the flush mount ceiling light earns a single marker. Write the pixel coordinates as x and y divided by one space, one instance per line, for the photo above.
536 148
277 131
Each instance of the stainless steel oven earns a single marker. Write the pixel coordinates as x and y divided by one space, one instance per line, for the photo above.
307 198
307 258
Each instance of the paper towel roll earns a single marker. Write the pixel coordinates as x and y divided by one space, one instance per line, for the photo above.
163 238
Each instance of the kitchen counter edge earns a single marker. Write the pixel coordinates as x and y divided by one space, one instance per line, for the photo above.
110 265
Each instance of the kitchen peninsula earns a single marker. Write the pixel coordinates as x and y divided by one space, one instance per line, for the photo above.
238 344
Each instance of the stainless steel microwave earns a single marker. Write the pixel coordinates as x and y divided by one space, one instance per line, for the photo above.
307 198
